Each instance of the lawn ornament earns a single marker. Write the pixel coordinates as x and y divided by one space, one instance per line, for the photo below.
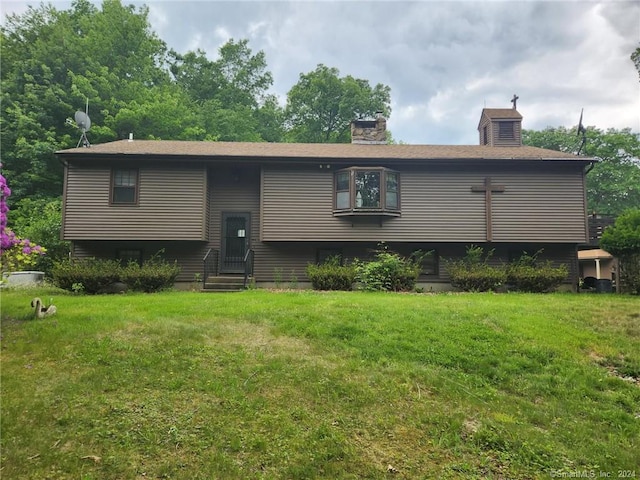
41 311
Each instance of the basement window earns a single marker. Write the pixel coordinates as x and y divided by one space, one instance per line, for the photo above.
129 256
366 191
429 264
324 255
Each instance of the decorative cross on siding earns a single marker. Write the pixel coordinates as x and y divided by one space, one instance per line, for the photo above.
488 189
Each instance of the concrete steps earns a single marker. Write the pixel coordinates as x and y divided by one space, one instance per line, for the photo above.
224 283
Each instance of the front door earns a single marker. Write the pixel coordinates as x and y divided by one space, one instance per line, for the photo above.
235 241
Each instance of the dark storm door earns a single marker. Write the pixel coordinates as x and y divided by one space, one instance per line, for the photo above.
235 241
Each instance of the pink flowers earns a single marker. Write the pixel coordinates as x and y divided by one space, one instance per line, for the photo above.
5 240
17 253
29 248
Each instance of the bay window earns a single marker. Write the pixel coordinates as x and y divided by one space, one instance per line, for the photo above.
367 191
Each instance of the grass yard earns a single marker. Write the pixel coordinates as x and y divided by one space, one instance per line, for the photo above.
308 385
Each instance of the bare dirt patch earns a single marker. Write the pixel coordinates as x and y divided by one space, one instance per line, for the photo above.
260 340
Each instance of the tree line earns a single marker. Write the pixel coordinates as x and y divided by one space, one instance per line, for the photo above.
53 61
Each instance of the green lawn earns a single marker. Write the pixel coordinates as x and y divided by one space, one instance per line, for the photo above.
294 385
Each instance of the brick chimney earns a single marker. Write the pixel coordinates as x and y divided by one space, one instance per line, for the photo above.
373 132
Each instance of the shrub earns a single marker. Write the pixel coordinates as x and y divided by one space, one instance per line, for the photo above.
389 272
527 275
623 241
623 237
331 275
22 255
476 278
16 253
41 220
97 275
472 273
93 274
629 271
154 275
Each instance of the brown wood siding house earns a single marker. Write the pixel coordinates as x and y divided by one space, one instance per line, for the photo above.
292 204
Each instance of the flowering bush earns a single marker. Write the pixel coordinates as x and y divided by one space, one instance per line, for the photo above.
22 255
17 253
5 242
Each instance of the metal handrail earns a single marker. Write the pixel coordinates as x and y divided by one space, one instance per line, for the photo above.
209 265
248 265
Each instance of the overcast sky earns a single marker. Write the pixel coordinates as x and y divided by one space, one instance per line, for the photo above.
444 60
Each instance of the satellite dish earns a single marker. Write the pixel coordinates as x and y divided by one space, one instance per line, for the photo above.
84 124
83 121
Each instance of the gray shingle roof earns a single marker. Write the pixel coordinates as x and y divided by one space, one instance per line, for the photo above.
301 151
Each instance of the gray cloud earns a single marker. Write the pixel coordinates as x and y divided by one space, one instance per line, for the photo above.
444 60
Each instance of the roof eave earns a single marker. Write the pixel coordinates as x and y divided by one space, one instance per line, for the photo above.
309 158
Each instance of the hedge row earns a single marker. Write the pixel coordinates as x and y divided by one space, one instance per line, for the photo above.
388 272
99 275
527 274
331 275
543 277
476 278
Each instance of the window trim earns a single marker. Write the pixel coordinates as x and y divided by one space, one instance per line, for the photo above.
352 209
113 186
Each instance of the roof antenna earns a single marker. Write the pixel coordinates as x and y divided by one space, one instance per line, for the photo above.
583 131
83 122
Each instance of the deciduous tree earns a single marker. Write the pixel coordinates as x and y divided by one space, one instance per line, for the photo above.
230 93
52 62
321 106
614 183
